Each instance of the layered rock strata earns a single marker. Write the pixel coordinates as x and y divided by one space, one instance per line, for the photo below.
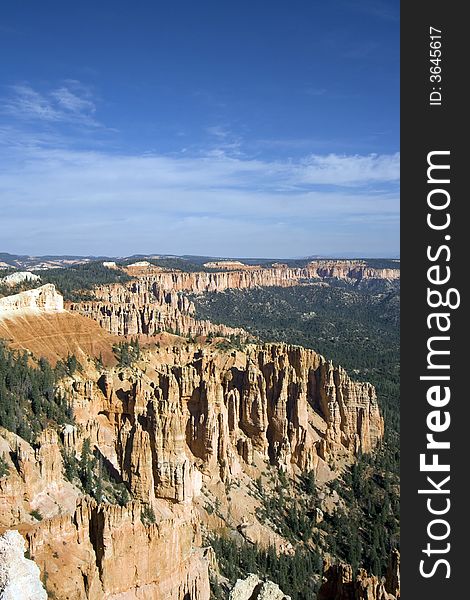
56 335
281 276
156 302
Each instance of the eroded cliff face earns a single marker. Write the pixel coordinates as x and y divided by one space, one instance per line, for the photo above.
106 552
144 308
156 300
96 551
339 583
35 481
183 416
206 413
179 418
281 275
350 270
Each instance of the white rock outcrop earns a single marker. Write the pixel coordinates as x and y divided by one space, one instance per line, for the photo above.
254 588
42 299
20 577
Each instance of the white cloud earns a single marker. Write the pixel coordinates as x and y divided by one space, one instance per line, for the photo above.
59 200
218 131
337 169
70 103
72 172
213 204
26 102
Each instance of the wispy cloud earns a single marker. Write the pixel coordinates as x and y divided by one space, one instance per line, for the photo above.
70 103
213 204
218 131
343 170
226 142
212 199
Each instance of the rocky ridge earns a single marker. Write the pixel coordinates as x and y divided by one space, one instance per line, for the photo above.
157 302
41 299
199 282
144 308
198 414
94 551
19 277
106 551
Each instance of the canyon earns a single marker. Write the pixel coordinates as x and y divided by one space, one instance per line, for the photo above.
190 424
185 421
157 301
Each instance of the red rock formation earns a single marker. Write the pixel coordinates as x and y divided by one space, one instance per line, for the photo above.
55 335
181 414
102 551
340 584
210 413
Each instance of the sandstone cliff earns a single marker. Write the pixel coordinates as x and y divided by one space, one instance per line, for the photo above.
144 308
156 300
282 276
105 552
208 413
181 418
95 551
35 480
350 270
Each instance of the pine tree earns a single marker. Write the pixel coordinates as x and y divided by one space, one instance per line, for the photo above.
86 467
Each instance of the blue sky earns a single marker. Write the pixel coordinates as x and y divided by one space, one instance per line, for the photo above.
253 128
